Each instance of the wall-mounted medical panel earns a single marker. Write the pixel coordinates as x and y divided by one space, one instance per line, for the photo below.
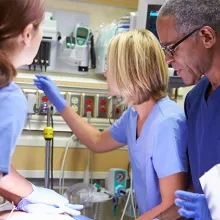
56 32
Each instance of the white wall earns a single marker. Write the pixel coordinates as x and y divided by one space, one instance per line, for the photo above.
99 13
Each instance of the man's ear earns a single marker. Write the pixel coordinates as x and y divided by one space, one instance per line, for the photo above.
209 36
26 35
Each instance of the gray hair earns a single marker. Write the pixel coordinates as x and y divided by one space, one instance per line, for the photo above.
192 14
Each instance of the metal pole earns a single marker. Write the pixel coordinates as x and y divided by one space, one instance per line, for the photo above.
47 155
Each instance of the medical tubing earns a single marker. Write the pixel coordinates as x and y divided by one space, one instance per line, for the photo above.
86 172
126 204
63 166
61 183
132 200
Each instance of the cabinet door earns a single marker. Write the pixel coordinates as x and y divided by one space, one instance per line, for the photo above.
124 3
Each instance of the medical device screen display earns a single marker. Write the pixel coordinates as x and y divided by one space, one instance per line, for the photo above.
82 33
152 18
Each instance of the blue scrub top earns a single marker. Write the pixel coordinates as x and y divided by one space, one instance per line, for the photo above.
160 150
13 114
204 130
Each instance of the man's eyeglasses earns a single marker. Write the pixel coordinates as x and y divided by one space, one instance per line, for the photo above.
170 50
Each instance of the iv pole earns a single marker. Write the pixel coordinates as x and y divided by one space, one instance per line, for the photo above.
46 108
48 136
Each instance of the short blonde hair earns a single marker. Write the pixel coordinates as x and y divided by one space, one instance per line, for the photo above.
137 66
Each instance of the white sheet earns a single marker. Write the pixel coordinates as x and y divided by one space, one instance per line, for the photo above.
210 183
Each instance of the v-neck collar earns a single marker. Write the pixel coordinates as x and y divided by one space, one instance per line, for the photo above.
214 97
135 123
146 123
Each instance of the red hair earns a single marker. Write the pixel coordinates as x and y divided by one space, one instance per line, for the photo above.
15 15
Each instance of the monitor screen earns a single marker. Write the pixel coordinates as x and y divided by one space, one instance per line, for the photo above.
82 33
152 18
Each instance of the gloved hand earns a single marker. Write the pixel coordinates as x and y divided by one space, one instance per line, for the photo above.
51 91
29 207
193 205
41 196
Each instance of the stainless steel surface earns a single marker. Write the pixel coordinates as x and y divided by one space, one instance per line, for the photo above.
47 155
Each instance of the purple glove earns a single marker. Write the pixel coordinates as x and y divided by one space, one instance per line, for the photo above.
51 91
41 196
193 205
47 209
26 206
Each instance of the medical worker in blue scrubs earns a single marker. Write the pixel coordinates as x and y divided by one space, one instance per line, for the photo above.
189 31
153 127
20 37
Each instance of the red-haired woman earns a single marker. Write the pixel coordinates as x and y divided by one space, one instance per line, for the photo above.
20 37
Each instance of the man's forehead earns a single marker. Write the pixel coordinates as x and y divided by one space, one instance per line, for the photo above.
166 30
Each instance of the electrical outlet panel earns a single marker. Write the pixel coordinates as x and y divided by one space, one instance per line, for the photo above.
42 103
88 104
55 110
102 106
75 102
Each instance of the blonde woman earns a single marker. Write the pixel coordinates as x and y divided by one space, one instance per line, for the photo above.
153 127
